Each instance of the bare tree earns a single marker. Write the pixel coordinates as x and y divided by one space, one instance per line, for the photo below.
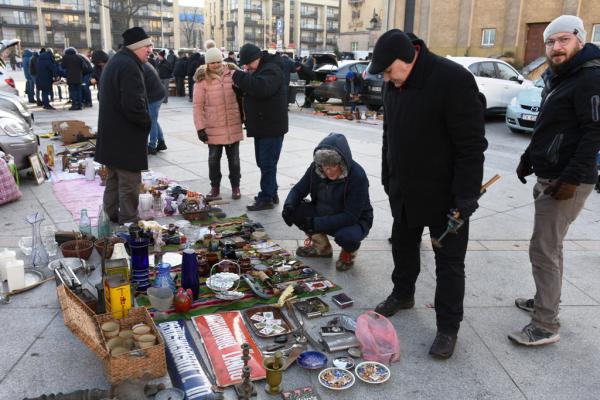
123 11
191 24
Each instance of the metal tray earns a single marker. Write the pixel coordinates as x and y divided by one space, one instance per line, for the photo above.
33 278
277 314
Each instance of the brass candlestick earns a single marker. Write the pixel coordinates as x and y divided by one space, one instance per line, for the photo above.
245 390
274 373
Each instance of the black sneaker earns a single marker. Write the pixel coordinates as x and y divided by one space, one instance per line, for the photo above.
532 335
443 346
161 145
49 108
392 305
524 304
260 205
275 199
152 150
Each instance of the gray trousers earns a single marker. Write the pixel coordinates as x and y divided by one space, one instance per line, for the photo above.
121 195
552 221
165 83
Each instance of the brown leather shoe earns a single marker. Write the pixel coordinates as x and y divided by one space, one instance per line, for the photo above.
392 305
443 346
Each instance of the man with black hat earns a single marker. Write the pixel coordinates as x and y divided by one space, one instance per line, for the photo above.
123 125
433 144
266 116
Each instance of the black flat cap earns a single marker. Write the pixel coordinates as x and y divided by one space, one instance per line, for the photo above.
249 53
392 45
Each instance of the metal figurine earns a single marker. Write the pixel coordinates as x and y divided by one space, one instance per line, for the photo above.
246 389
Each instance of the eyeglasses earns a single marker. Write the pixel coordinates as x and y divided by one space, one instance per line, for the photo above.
562 41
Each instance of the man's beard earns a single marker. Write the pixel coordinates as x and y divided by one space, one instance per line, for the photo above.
559 68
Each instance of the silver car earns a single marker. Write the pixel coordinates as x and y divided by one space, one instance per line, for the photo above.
523 109
17 138
16 105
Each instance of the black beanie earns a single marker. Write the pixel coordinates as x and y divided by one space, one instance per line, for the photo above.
249 53
136 37
392 45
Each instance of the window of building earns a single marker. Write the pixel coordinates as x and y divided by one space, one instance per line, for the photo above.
488 38
354 46
596 34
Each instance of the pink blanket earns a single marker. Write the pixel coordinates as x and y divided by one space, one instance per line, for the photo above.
78 194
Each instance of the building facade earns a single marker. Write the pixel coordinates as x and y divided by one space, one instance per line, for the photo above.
84 24
296 25
361 24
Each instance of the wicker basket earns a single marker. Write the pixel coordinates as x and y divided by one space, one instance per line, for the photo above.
196 215
84 324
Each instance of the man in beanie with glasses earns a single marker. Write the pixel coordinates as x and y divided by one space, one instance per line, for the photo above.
339 203
266 116
123 125
433 144
562 155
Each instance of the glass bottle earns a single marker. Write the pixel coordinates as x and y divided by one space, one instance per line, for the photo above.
163 277
169 210
85 225
104 230
140 265
39 256
189 272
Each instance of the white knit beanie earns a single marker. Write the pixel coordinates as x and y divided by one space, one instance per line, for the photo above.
566 24
213 55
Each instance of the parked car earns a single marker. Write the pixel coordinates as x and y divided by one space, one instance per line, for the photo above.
7 83
334 85
17 138
372 95
524 108
16 105
497 80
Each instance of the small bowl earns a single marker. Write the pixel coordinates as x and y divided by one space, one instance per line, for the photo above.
115 342
100 243
126 334
140 329
146 341
117 351
110 329
77 248
160 298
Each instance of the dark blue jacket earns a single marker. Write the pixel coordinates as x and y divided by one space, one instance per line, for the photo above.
339 203
27 54
46 71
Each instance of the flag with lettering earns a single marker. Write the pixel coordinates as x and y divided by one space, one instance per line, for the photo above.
223 334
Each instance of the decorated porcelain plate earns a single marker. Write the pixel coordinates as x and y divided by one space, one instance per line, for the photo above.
336 378
372 372
312 360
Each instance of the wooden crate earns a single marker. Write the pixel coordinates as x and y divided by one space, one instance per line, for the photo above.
138 363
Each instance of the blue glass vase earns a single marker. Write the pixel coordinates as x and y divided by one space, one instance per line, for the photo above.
189 272
163 277
140 266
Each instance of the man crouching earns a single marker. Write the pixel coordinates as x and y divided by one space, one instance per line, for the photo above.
339 203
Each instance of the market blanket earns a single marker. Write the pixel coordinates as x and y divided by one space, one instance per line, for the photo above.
78 194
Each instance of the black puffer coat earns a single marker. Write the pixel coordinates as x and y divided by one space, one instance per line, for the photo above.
339 203
73 66
566 137
123 119
265 97
194 62
433 140
164 68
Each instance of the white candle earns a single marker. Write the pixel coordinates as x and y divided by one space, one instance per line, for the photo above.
5 256
15 275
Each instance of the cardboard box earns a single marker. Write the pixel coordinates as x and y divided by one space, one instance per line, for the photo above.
72 131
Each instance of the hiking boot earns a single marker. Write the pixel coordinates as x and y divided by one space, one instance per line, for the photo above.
316 245
235 193
532 335
215 194
161 145
260 205
443 345
345 261
524 304
152 150
392 305
275 199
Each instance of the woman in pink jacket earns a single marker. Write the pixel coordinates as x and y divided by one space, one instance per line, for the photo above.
218 120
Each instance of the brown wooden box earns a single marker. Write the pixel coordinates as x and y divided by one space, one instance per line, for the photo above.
139 363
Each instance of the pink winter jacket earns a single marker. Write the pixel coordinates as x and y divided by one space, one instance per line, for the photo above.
216 109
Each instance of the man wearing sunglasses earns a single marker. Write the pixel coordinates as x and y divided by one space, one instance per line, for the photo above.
562 155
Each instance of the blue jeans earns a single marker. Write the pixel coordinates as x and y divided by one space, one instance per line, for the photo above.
156 133
30 90
86 93
46 95
75 94
266 151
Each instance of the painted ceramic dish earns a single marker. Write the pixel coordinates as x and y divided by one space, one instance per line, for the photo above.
344 363
312 360
336 378
372 372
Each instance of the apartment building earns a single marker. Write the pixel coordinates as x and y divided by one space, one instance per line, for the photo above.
84 24
361 24
283 24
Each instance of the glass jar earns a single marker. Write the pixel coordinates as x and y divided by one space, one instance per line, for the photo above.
163 277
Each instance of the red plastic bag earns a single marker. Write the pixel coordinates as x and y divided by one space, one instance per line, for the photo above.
8 188
377 337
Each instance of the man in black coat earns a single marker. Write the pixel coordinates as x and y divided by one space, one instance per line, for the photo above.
180 72
123 126
165 72
562 154
433 144
194 62
74 68
266 116
339 203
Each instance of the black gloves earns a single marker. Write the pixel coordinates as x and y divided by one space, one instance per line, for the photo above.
560 190
288 214
202 136
307 225
466 207
524 169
